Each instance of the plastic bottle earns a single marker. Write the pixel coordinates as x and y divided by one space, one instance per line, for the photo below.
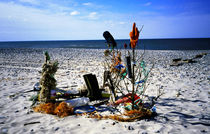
78 101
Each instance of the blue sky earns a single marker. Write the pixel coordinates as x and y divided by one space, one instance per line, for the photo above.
88 19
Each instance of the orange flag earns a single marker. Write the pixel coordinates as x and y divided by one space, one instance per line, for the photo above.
134 36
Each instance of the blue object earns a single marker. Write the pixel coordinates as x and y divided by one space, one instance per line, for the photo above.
141 81
134 62
119 66
103 108
84 109
153 109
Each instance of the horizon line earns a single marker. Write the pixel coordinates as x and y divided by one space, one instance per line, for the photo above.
104 39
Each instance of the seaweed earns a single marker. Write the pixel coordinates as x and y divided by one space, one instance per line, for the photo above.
60 109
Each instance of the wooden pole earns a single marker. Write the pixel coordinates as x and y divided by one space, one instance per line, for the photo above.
133 78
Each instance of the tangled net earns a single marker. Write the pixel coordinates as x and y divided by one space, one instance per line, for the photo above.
128 116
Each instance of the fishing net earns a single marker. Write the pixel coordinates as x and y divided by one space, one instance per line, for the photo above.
128 116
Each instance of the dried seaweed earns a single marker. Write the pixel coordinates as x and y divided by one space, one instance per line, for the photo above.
128 116
47 108
60 109
63 110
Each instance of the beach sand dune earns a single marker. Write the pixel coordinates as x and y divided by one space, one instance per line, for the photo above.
184 108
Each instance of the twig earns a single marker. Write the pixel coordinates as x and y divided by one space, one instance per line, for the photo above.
144 89
140 58
139 74
126 85
120 90
18 93
35 122
159 94
141 54
141 29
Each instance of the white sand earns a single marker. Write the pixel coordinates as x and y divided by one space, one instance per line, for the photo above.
188 113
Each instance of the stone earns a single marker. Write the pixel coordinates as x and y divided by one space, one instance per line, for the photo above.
56 129
130 128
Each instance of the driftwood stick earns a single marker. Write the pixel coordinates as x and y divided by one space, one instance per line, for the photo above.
133 78
30 123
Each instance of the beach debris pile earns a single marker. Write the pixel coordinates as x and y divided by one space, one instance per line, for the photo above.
124 85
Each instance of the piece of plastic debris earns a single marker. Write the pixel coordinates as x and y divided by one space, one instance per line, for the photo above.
78 101
84 109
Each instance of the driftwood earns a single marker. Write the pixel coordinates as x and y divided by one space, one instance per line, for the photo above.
179 61
199 55
30 123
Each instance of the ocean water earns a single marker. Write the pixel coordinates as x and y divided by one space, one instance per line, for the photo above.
148 44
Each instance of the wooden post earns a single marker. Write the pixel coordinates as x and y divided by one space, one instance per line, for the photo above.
133 78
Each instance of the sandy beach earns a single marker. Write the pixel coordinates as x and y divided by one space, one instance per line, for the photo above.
183 108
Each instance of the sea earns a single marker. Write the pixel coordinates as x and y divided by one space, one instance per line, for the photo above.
147 44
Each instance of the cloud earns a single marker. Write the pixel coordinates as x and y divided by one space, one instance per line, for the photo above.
93 6
54 7
178 26
56 22
148 4
93 15
87 4
33 2
74 13
122 22
18 22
